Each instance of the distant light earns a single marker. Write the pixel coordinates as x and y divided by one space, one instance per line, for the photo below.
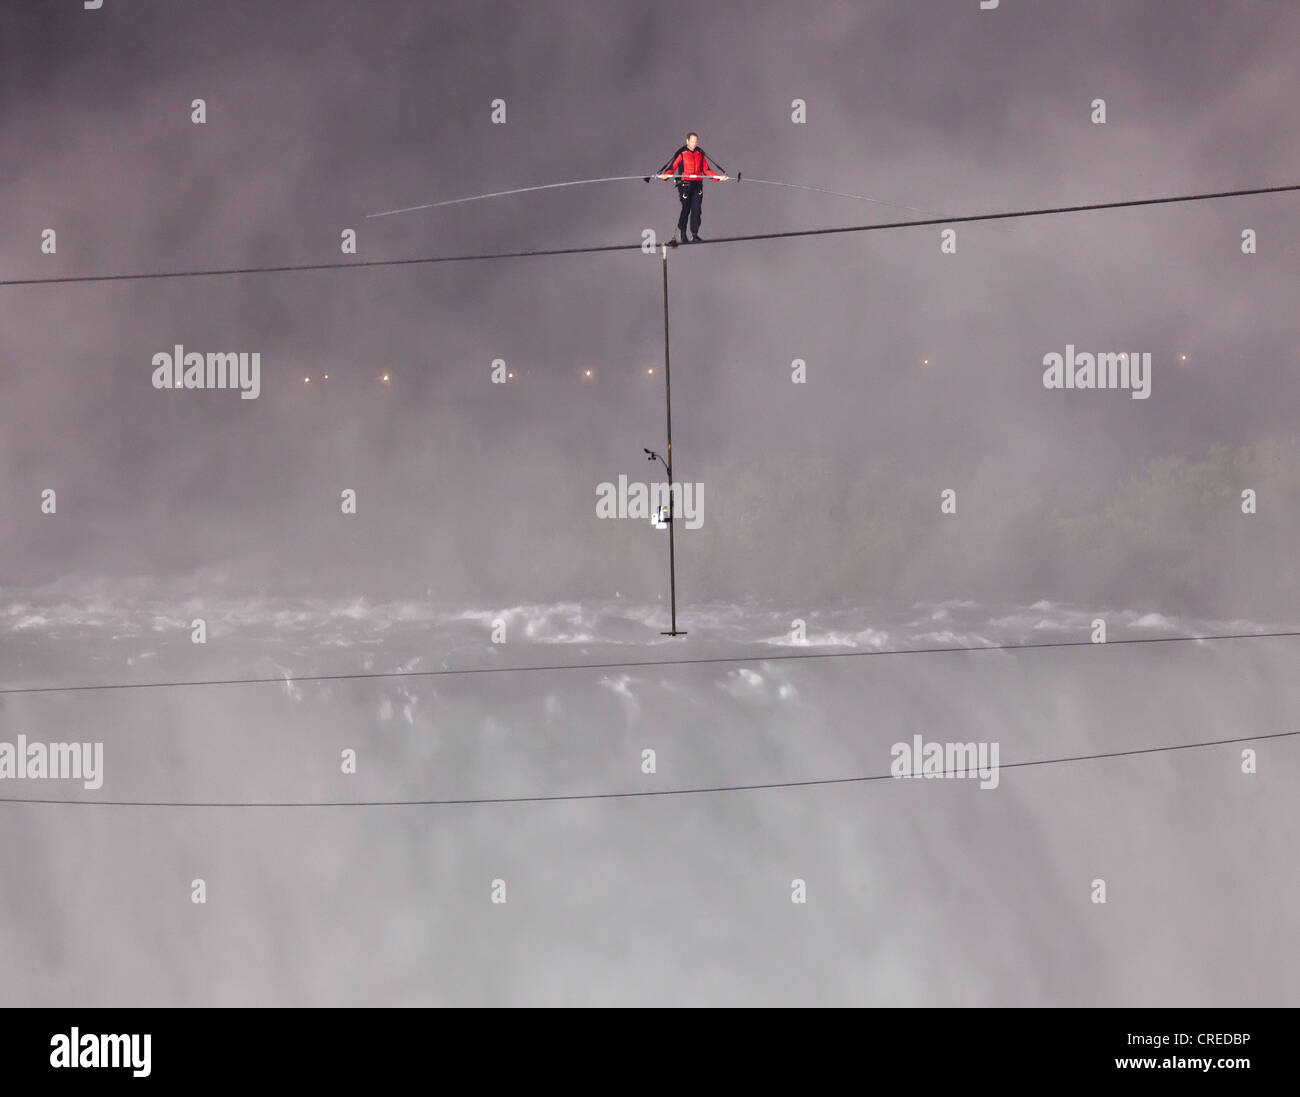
1182 357
327 377
510 376
588 373
305 380
385 377
925 361
650 370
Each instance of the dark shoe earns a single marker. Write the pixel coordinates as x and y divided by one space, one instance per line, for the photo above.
697 240
683 236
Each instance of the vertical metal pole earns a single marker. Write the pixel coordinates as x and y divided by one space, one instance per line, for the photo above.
672 515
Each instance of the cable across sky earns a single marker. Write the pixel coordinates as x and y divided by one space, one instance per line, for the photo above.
646 794
773 657
1009 215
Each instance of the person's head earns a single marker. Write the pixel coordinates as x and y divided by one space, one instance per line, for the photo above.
692 139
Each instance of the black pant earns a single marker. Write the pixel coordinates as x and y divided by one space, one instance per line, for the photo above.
691 192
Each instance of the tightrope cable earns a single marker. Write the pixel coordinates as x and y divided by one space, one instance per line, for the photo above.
1132 203
647 793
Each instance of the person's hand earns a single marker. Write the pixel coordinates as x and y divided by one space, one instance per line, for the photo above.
662 175
723 178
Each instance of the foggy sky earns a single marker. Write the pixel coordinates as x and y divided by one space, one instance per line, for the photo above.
322 113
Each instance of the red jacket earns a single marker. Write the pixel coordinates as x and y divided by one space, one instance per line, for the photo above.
692 163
